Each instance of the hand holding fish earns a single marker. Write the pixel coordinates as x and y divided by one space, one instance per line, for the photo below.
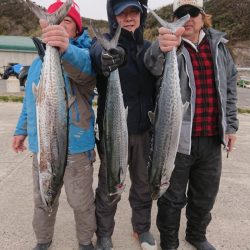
168 40
112 59
55 35
18 143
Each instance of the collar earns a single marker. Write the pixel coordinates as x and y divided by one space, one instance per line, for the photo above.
194 45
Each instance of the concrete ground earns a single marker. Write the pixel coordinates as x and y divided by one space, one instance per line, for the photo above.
229 229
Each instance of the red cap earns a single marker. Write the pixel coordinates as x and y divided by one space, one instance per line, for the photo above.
74 13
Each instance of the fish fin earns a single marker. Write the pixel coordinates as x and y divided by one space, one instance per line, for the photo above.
106 44
172 26
151 116
96 129
55 18
126 112
185 107
71 100
119 190
35 89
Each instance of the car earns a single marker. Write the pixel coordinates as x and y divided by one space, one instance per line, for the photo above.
18 70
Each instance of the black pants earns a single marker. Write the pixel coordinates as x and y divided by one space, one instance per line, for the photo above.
195 182
139 195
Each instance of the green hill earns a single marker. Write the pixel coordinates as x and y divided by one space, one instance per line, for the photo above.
229 16
17 19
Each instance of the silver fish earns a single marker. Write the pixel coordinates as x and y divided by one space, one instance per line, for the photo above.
166 119
115 131
52 114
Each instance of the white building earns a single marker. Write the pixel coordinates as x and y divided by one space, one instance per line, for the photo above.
16 49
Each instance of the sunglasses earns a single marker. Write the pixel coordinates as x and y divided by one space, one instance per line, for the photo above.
192 11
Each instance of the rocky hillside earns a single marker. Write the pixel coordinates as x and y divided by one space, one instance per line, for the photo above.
17 19
229 16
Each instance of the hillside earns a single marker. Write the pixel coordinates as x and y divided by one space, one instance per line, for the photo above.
17 19
229 16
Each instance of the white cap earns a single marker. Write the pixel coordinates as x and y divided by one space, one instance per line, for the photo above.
196 3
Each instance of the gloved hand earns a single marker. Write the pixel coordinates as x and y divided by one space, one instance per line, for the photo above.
112 59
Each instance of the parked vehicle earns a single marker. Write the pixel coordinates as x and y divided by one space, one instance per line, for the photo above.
18 70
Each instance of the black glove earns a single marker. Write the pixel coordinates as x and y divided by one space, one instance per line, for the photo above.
112 59
40 46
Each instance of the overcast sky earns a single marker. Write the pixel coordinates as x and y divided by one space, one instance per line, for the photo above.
96 9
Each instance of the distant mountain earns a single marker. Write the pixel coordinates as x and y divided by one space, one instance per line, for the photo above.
17 19
229 16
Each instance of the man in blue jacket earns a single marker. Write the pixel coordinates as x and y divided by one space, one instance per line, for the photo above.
73 44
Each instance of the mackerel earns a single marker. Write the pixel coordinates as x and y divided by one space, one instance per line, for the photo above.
166 119
51 113
115 131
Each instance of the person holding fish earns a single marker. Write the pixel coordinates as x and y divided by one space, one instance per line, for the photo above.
138 90
208 83
78 82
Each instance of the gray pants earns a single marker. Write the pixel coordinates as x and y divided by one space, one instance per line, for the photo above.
139 195
78 179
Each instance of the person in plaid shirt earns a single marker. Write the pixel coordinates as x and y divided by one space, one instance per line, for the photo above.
208 82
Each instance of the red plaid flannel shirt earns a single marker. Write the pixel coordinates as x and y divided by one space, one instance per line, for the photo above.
205 122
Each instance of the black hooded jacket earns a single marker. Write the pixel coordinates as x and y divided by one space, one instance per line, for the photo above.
137 83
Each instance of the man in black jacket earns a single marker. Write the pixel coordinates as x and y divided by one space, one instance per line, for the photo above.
138 87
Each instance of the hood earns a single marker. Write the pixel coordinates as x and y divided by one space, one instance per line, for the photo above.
83 41
216 35
112 20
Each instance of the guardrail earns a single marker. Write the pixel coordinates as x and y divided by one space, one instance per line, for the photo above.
244 82
243 77
243 69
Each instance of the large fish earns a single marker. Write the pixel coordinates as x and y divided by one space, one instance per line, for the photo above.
115 131
166 119
51 112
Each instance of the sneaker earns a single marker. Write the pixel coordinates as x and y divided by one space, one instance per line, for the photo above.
104 243
86 247
42 246
201 245
147 241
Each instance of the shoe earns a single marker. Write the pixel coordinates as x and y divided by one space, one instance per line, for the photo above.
201 245
42 246
104 243
147 241
86 247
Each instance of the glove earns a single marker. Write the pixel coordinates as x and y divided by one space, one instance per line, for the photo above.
112 59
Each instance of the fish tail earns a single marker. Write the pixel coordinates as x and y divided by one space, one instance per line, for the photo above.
106 44
55 18
172 26
158 191
119 189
